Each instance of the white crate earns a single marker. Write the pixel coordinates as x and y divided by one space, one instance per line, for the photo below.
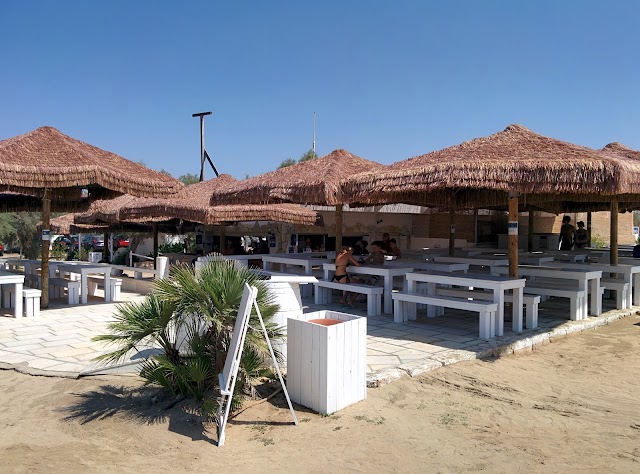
326 365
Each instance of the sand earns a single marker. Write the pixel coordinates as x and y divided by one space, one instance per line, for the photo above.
571 406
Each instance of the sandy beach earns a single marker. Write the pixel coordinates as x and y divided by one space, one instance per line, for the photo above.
571 406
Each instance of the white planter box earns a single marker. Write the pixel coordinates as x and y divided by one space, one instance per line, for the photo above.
327 365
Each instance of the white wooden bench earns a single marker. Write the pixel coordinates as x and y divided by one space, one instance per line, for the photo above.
620 287
57 287
485 309
560 290
93 281
530 302
31 297
374 294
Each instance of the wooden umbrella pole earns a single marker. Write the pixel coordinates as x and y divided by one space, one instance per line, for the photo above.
46 215
589 229
223 238
452 231
513 235
613 258
532 218
155 245
338 227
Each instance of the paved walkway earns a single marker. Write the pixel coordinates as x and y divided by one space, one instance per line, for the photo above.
58 342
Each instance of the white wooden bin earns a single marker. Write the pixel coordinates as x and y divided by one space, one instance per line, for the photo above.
326 369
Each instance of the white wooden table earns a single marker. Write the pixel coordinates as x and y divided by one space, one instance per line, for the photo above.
588 281
630 275
85 269
387 272
288 259
9 278
432 266
484 261
498 284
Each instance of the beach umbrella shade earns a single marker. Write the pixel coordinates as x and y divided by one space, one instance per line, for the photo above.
502 168
314 181
55 168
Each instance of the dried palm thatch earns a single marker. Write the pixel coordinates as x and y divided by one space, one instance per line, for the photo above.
46 158
310 182
192 204
66 224
483 171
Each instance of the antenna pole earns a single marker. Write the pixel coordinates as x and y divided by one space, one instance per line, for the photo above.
201 115
314 135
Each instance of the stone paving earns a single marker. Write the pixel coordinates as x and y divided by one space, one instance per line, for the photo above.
58 342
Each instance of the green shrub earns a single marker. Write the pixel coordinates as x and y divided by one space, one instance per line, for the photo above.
191 318
59 252
171 248
597 241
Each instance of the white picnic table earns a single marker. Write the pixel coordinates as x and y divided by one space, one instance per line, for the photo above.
498 284
84 270
433 266
288 259
484 261
588 281
387 272
17 280
630 275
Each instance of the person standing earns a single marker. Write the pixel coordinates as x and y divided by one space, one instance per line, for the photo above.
567 234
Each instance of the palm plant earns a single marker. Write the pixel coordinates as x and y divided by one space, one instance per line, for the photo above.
190 317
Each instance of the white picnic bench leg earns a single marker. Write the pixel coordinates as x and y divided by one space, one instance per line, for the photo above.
378 300
596 299
371 305
388 288
485 324
516 311
498 328
432 311
636 288
107 286
532 314
317 293
84 289
629 281
575 308
398 316
18 296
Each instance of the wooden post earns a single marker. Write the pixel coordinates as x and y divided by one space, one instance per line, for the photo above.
154 227
513 235
223 238
46 214
107 249
452 231
338 227
532 218
613 258
589 229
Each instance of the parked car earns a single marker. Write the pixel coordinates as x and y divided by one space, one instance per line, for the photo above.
94 243
68 241
120 241
1 250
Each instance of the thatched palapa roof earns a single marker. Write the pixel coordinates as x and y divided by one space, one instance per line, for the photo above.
315 181
192 204
482 172
46 158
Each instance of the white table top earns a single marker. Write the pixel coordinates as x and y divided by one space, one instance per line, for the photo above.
552 272
485 261
470 279
10 277
380 270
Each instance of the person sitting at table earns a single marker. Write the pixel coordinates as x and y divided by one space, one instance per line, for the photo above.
395 250
384 244
361 248
376 257
343 259
582 236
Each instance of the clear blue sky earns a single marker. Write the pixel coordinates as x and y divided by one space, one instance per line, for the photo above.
387 79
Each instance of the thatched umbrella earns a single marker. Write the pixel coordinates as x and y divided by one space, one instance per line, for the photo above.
494 170
191 204
56 168
310 182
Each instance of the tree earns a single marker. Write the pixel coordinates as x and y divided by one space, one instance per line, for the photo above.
287 162
191 316
27 233
309 155
189 178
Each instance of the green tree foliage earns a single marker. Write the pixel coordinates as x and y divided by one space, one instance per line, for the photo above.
191 316
189 178
309 155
